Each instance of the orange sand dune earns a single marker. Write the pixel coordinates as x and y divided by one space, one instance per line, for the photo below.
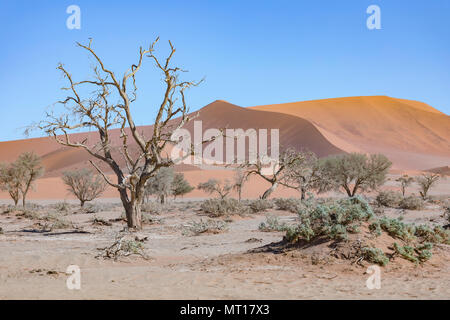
411 133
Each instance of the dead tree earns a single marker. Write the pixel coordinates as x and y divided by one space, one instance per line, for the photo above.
109 106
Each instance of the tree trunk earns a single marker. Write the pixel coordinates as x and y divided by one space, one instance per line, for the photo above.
240 194
132 209
302 193
269 191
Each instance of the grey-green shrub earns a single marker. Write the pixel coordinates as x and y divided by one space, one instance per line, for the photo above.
411 203
220 207
389 198
260 205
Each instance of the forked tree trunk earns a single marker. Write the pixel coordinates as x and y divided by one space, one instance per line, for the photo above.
269 191
302 193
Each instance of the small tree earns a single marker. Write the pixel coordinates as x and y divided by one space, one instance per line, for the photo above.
240 177
426 182
303 173
215 186
353 172
405 181
180 186
275 172
10 181
84 184
161 184
28 167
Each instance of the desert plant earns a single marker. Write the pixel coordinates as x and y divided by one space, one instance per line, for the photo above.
405 181
104 103
153 208
161 184
260 205
375 255
274 173
84 184
411 203
388 198
240 177
331 220
395 228
198 227
272 224
10 181
289 204
426 182
29 168
302 174
215 186
220 207
180 186
353 172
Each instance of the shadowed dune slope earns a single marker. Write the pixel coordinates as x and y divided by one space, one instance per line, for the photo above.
294 132
412 134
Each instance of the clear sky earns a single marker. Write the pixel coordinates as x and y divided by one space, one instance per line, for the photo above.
250 52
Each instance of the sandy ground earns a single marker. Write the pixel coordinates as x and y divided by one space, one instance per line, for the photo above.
207 266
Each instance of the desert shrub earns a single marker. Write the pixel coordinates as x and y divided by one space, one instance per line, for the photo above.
433 235
388 199
375 255
394 227
198 227
272 224
261 205
220 207
62 207
406 252
91 208
180 186
411 203
289 204
161 184
29 214
332 220
153 208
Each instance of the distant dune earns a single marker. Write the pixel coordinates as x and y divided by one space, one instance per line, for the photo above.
412 134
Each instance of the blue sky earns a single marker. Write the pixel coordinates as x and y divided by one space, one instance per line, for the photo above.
250 52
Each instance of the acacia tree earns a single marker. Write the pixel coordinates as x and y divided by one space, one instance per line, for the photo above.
405 181
426 182
105 102
215 186
29 168
303 174
10 181
85 185
180 186
274 174
353 172
161 184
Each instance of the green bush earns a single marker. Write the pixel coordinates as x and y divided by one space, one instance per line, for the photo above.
411 203
289 204
433 235
394 227
332 220
375 255
272 224
261 205
221 207
388 199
